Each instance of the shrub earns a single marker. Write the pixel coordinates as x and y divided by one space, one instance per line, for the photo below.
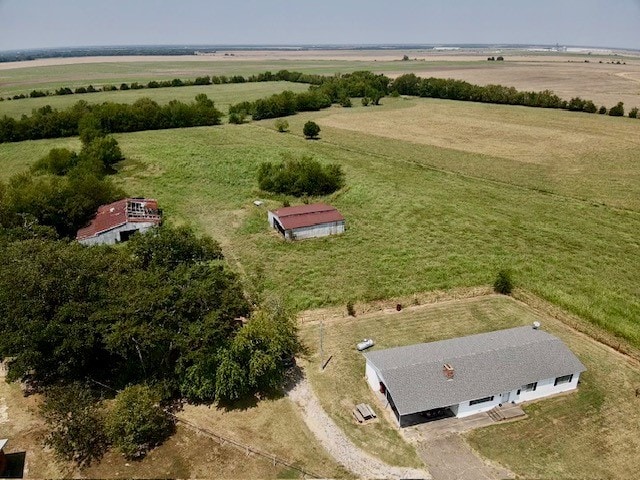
602 110
365 101
345 101
300 177
311 129
59 161
633 113
136 423
76 426
282 125
617 111
237 118
589 107
351 310
503 283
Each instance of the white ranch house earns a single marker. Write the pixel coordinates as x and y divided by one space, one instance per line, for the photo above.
468 375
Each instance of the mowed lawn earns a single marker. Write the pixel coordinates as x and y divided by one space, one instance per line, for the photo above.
222 95
410 228
591 433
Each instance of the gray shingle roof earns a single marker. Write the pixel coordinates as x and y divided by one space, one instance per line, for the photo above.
485 364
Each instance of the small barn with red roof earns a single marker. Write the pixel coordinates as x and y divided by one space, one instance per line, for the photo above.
117 221
307 221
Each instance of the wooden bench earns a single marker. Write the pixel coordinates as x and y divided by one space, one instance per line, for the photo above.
358 416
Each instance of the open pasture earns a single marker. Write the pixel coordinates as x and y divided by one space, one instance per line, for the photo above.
410 228
591 157
591 433
222 95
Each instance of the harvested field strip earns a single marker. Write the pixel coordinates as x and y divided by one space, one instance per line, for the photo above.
584 156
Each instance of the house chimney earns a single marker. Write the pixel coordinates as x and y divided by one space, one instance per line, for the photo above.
448 371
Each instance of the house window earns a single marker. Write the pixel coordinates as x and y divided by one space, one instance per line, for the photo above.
530 387
563 379
481 400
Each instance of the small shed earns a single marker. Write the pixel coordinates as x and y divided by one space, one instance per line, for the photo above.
117 221
307 221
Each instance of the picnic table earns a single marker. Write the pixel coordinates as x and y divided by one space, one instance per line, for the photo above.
363 412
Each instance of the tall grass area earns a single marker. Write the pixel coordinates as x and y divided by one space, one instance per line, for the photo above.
409 228
222 95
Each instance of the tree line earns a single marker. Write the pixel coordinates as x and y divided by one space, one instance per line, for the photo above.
410 84
145 114
109 117
329 90
282 75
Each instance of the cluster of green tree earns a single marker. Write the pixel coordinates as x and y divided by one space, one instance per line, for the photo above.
279 105
109 117
161 310
62 191
82 426
303 177
410 84
322 94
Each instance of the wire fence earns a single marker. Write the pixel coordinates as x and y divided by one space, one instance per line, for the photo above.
249 450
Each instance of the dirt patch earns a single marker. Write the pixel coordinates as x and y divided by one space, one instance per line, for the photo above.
450 458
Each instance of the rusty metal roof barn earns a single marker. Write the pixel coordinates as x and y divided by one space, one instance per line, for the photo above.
116 221
306 221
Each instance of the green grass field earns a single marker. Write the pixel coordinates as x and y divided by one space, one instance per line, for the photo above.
23 80
411 228
592 433
222 95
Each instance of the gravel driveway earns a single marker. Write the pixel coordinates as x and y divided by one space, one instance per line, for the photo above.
360 463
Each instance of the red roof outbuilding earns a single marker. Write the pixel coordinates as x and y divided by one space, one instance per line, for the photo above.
116 214
307 215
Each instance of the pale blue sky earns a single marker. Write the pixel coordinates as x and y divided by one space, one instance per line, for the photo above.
56 23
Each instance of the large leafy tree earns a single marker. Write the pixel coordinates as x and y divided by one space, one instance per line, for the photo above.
258 355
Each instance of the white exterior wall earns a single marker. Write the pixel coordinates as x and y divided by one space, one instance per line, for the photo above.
546 388
322 230
111 237
271 217
464 409
372 378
